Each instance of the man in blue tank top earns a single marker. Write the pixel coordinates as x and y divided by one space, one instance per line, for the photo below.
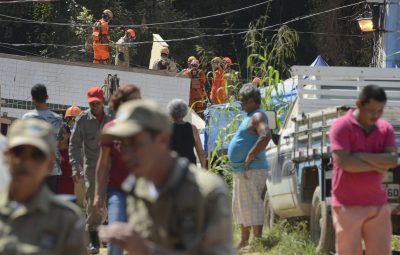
247 157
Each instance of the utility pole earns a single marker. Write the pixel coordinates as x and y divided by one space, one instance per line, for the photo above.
391 36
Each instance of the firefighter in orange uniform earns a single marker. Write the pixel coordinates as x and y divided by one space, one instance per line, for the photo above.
101 38
197 92
217 95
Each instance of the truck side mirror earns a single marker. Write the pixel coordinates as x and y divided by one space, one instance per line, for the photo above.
271 116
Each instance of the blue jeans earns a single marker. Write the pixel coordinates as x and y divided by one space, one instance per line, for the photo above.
116 204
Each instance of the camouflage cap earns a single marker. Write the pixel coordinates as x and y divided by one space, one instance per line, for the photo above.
35 132
136 116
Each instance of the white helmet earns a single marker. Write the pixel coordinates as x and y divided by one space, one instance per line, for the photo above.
108 13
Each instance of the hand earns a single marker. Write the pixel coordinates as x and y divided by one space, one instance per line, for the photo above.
250 157
77 177
124 235
396 211
99 205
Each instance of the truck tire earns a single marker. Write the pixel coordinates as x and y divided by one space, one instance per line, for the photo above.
321 227
270 217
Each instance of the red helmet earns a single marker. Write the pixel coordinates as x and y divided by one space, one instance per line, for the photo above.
227 61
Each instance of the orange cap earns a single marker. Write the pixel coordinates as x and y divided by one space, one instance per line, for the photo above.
131 33
73 111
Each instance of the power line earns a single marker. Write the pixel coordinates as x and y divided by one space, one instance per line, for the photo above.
205 35
163 28
167 40
25 1
21 20
22 51
210 16
315 14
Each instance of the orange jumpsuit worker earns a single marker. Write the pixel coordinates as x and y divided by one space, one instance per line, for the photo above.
101 38
197 93
217 95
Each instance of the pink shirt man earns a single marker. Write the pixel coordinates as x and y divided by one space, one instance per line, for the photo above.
359 189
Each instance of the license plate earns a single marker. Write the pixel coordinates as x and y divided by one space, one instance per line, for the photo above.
392 191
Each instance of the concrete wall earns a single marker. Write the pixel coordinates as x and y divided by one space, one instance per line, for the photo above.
68 82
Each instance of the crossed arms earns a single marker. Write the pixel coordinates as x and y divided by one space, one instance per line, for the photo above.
365 162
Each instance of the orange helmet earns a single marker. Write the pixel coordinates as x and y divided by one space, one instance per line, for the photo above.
164 50
256 81
227 61
73 111
131 33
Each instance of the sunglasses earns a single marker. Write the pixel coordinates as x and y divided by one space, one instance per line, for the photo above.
71 118
34 153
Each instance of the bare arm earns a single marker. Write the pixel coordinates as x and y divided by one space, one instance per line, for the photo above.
386 160
198 147
102 173
350 163
75 150
259 124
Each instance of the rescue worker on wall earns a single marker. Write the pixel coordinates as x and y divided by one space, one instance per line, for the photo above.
101 38
122 48
229 77
197 92
217 95
164 63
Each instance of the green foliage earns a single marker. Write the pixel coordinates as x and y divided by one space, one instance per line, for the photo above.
266 60
284 238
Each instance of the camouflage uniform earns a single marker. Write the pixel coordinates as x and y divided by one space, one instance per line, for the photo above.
192 212
43 226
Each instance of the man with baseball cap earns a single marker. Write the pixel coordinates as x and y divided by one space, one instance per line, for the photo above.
173 206
32 219
85 137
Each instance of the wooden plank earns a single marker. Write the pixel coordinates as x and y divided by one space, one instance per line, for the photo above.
311 105
350 84
365 72
395 95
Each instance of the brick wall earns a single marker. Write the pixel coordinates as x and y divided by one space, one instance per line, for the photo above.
68 82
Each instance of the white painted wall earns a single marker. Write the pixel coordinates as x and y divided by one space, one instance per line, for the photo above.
67 82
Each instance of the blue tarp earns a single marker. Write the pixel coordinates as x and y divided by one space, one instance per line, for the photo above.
217 117
222 114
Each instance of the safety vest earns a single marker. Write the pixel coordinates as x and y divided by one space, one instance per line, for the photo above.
195 79
100 31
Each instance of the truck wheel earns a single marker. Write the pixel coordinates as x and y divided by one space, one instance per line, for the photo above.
321 227
270 217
